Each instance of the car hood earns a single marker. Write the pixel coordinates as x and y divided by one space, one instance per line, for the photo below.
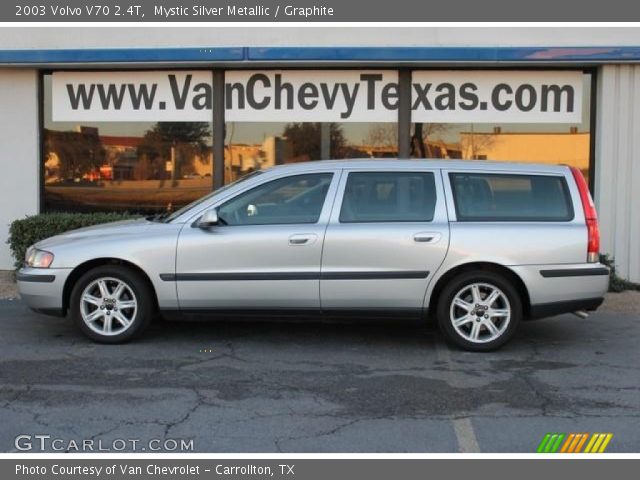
124 227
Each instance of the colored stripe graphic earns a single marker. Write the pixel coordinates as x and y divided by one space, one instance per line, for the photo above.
598 443
543 443
605 443
583 439
557 443
550 443
570 439
592 441
578 442
574 442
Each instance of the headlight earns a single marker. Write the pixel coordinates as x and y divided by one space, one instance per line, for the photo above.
38 258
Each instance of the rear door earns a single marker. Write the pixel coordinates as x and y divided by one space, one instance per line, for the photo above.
387 235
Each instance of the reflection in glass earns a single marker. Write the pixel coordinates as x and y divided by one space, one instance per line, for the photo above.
535 143
255 146
137 167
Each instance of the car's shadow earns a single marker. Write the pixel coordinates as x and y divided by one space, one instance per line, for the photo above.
303 329
402 332
566 329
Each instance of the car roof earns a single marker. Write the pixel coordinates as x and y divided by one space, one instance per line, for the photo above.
395 163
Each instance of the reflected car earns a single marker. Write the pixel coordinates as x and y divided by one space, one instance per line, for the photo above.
477 246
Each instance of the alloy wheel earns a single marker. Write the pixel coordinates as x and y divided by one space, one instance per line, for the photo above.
108 306
480 312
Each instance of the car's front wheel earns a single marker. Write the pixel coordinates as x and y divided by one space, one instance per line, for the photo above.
479 311
111 304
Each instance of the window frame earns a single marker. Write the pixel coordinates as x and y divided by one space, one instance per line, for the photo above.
486 219
332 180
404 110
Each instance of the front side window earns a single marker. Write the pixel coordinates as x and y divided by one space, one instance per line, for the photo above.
505 197
288 200
389 197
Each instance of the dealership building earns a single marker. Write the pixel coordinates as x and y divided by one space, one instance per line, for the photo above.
147 119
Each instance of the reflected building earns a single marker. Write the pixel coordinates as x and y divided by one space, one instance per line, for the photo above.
570 148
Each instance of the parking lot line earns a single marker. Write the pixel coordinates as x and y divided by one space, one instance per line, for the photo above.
466 436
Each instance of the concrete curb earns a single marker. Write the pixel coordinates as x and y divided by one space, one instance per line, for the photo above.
7 276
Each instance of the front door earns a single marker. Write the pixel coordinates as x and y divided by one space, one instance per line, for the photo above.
387 236
266 251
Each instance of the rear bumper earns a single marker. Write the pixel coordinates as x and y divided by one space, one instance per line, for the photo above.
41 289
542 310
563 288
564 284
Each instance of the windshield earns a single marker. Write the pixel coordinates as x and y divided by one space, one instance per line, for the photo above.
166 217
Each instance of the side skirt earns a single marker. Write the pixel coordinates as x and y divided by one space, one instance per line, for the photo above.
294 315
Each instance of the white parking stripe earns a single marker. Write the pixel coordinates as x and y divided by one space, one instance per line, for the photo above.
466 436
467 442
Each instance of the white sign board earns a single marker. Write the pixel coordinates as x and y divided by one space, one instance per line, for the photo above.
312 96
166 96
461 96
465 96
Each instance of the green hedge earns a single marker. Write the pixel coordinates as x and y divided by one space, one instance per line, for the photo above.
26 231
616 283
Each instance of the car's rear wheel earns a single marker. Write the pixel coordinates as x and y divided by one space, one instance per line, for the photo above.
111 304
479 311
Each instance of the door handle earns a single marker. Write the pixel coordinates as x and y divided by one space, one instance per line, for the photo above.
427 237
302 239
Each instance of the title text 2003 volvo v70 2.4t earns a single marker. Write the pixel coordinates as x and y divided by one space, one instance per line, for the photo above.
480 246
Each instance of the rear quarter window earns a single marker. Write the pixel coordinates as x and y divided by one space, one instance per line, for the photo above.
493 197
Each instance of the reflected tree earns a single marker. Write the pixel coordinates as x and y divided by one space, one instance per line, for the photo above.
78 153
422 143
305 139
180 142
382 135
477 145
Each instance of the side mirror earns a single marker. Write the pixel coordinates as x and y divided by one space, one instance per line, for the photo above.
209 219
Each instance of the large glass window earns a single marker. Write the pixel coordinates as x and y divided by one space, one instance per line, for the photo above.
273 117
142 167
551 143
389 197
256 145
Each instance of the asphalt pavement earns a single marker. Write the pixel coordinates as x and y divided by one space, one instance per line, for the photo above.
312 387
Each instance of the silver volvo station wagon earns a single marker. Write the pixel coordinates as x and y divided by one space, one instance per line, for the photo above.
479 246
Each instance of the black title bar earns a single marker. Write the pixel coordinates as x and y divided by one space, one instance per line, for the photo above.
124 11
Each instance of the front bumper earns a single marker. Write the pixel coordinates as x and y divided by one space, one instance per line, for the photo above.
41 289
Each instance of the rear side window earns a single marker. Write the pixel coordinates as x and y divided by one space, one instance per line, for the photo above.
504 197
388 197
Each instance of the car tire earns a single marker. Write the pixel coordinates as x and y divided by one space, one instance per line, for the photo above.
479 311
112 304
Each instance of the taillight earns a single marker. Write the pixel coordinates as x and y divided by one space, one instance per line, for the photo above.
590 216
